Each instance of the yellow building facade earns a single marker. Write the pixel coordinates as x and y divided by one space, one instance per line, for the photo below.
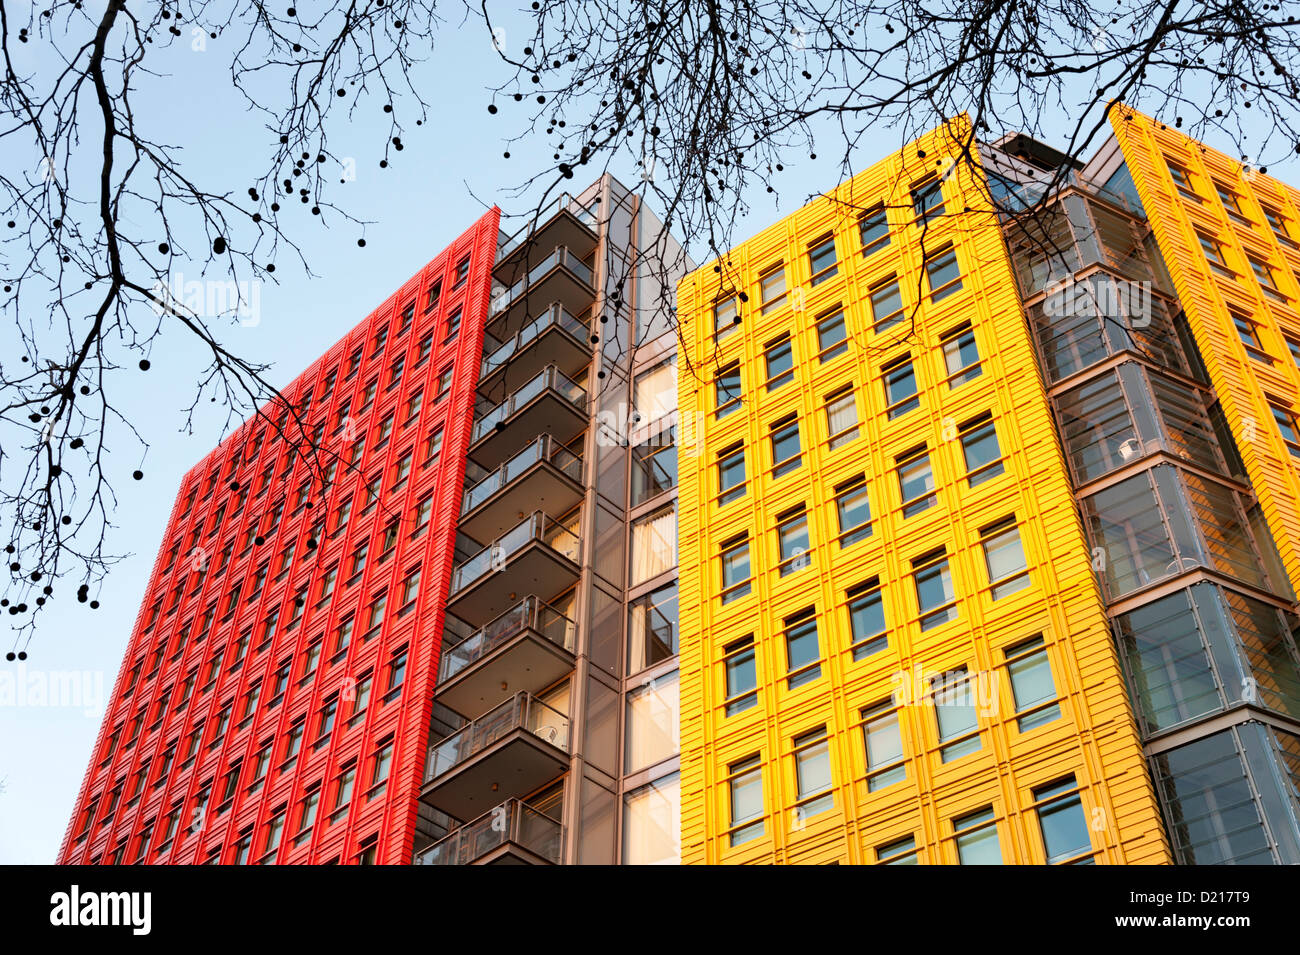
893 647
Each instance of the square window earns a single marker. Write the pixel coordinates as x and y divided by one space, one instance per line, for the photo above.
779 358
731 474
867 619
1032 687
900 388
935 598
821 259
841 417
916 482
853 508
803 653
735 569
886 305
832 336
943 273
1004 558
812 769
792 542
873 226
740 671
882 738
771 289
786 452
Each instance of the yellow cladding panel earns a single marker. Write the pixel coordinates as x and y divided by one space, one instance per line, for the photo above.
1230 236
1089 737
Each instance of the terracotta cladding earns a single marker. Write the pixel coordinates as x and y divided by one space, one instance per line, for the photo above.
1093 740
179 596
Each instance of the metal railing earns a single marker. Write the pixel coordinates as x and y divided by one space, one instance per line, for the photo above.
536 528
511 822
521 712
561 256
555 316
550 378
542 448
546 214
531 613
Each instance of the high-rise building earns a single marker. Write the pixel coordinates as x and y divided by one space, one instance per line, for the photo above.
930 528
989 522
275 697
409 644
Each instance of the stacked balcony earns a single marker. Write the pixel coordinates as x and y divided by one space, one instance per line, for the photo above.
508 752
512 833
506 643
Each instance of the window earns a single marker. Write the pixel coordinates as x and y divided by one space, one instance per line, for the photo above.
853 509
410 591
413 405
1182 180
654 467
654 544
444 384
405 319
727 391
779 358
979 448
652 823
326 587
343 791
901 396
841 417
867 619
745 792
873 227
821 259
274 829
1062 823
652 723
453 325
1293 346
423 349
802 651
740 673
1248 333
325 721
655 391
1289 427
1004 558
1032 688
735 569
927 198
462 272
812 770
953 695
886 305
916 481
307 814
1231 203
792 541
652 628
343 634
900 852
786 453
883 740
1277 223
435 293
832 336
935 598
432 447
1267 280
977 838
771 288
293 741
341 515
401 471
384 431
380 765
381 339
725 318
943 273
375 615
421 514
1214 255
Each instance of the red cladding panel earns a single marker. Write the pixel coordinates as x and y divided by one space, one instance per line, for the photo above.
270 661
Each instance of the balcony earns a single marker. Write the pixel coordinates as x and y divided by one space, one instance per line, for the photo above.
549 403
506 753
538 555
509 834
528 647
560 277
563 222
545 475
553 338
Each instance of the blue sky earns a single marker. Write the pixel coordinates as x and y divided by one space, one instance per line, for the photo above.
416 206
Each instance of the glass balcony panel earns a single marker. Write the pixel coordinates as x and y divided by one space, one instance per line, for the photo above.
512 824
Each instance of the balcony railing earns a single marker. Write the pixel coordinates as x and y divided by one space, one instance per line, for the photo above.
536 528
560 257
561 203
529 614
549 378
511 823
521 712
555 316
543 448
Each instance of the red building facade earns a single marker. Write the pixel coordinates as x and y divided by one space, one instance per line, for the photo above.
275 699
